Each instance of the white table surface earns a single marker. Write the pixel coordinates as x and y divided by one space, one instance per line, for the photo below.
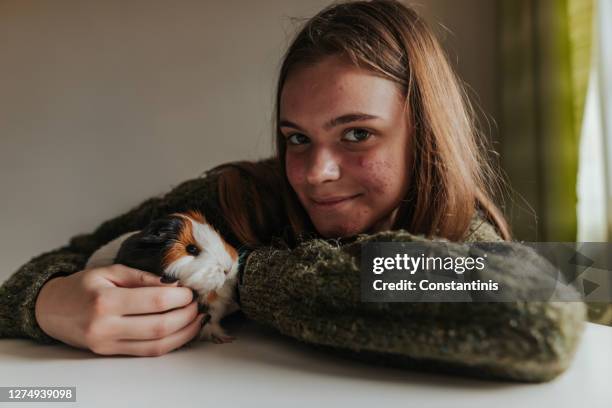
262 368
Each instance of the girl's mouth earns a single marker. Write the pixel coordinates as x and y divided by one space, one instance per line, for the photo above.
333 202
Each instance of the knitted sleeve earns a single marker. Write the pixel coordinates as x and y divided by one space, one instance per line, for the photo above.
312 293
19 292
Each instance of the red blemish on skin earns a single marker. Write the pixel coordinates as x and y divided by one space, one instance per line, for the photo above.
212 296
363 162
177 250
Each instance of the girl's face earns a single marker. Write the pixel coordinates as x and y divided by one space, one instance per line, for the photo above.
348 142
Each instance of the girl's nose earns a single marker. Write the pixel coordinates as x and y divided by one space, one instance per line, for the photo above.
323 167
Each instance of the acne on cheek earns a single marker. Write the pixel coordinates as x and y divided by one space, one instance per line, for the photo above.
379 173
294 170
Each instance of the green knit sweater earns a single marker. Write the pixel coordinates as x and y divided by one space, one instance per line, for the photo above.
311 292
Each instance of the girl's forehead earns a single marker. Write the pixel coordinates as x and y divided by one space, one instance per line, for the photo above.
333 87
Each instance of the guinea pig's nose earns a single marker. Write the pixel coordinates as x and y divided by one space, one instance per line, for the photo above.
226 271
167 279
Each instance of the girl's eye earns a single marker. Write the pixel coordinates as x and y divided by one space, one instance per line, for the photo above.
357 135
192 249
297 139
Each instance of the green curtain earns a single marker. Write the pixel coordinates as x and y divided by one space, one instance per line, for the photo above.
545 57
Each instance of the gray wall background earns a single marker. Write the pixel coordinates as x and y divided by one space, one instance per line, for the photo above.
106 103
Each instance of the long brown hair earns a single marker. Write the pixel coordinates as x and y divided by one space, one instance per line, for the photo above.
450 177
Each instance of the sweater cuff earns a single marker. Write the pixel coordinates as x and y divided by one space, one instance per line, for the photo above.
243 255
20 292
28 307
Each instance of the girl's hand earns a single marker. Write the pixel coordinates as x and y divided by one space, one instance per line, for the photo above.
118 310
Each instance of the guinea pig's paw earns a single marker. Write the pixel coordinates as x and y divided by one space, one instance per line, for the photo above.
215 333
223 339
205 333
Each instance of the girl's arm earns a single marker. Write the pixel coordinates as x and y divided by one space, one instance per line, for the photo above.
312 293
19 292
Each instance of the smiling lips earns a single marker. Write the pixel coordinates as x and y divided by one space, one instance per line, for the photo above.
330 202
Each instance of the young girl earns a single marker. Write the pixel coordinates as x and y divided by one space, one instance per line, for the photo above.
375 141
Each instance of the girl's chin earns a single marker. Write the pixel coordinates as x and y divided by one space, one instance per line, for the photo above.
338 230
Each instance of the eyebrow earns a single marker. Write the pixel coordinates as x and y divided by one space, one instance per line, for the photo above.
340 120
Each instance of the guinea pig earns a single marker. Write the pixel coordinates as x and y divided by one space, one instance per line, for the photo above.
183 247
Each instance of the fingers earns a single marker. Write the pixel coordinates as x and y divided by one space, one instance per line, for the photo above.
160 346
127 277
154 326
129 301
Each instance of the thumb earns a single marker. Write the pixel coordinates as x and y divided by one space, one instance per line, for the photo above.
127 277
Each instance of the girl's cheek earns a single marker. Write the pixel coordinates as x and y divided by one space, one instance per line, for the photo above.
376 173
295 170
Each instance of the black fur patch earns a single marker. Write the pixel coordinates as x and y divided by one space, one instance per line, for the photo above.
145 249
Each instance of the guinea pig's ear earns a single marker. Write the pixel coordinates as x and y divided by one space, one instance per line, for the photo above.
161 230
152 239
154 232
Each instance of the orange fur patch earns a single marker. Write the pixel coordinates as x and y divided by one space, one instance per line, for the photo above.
177 250
212 296
231 251
196 216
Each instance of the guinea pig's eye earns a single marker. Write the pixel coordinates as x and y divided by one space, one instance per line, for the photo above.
192 249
